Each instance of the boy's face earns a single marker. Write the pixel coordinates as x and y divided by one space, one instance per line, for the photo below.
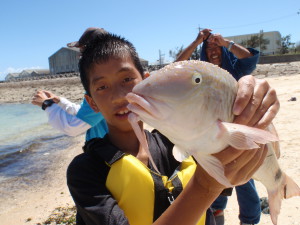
109 83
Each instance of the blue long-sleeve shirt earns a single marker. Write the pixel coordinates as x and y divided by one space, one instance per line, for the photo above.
237 67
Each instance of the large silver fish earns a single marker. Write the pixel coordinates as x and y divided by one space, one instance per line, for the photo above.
190 102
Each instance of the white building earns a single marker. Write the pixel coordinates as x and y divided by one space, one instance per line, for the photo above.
27 74
273 36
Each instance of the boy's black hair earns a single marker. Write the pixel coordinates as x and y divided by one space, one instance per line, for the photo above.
102 49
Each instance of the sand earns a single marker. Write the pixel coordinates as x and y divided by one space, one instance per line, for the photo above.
38 203
287 124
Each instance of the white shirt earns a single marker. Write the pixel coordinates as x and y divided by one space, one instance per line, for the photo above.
62 116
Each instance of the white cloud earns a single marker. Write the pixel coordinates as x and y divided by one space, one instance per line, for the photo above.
16 70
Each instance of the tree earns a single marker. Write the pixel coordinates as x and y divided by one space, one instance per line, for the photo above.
256 41
174 53
298 46
285 44
196 53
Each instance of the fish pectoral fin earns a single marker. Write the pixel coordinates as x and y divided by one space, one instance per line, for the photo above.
213 167
179 154
245 137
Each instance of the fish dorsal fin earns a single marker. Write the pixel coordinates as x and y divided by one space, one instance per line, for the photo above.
179 155
213 167
244 137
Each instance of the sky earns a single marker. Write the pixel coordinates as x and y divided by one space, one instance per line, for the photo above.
33 30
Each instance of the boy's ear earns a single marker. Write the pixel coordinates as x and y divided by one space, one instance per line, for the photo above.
91 102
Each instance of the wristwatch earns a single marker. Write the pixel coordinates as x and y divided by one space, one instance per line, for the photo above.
46 103
231 43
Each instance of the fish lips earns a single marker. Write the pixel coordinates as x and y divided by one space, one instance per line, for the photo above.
145 107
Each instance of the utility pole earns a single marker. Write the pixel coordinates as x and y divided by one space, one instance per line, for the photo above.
161 57
260 40
200 28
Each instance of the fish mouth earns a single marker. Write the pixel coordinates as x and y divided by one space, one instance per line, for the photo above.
143 106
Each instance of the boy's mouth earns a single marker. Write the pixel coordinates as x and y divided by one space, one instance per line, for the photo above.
123 113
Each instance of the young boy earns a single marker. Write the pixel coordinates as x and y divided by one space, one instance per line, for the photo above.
113 181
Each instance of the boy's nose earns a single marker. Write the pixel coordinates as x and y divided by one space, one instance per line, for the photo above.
119 94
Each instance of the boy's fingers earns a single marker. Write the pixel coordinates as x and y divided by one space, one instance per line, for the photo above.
268 116
228 155
254 103
245 90
235 171
259 159
266 111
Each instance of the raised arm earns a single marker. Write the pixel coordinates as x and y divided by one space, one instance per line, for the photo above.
187 52
239 51
61 114
65 122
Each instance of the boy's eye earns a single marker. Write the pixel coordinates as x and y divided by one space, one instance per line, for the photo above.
101 88
128 79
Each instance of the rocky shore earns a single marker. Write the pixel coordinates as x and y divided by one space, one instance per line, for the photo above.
71 88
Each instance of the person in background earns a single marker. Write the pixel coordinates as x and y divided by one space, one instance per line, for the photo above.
68 117
238 61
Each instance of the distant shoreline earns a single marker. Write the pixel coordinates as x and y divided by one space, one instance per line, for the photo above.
71 87
22 92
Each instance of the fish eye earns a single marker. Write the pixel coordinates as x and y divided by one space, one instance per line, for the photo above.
197 78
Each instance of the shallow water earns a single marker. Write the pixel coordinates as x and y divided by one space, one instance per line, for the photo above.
28 145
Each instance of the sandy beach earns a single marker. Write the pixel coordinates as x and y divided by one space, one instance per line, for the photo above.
287 124
34 205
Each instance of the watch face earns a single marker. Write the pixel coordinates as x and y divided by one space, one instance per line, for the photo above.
47 103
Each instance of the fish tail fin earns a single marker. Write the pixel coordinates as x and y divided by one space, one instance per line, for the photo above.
291 189
287 189
275 199
244 137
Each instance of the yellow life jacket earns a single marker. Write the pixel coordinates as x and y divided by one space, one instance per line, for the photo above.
139 190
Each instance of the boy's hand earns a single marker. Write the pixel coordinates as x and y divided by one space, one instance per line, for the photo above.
256 103
239 167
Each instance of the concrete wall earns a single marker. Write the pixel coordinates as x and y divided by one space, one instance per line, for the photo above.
279 59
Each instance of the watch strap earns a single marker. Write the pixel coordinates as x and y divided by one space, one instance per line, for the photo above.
231 43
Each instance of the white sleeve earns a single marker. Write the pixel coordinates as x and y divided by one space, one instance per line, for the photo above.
64 122
69 107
